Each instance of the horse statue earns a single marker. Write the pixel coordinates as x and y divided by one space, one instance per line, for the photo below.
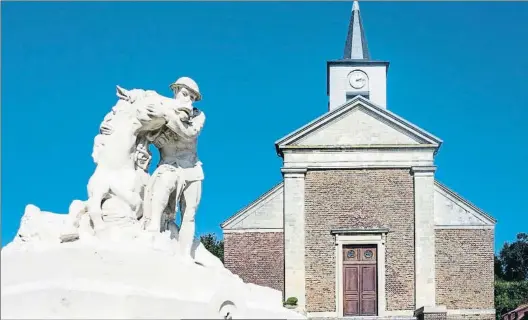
119 183
122 157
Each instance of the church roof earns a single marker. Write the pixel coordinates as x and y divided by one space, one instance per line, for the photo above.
470 207
420 134
250 207
356 43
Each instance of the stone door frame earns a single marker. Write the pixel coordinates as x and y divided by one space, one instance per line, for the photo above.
360 237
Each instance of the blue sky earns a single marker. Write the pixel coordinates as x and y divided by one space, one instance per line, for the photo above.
458 70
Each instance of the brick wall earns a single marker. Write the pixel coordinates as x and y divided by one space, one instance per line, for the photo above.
464 268
337 199
257 257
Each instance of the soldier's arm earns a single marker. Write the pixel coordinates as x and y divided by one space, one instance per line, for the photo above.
186 130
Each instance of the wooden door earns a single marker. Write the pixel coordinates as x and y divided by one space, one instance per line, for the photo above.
359 280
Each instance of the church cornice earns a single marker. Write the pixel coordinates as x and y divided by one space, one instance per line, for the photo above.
324 148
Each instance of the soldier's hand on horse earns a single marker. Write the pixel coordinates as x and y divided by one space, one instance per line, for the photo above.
154 111
149 112
182 115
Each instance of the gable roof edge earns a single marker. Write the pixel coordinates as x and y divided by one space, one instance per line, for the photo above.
251 205
477 210
371 106
401 120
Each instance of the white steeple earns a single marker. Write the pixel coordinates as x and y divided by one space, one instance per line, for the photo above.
356 43
356 73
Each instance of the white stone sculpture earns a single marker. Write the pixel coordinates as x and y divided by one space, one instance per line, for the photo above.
116 173
122 157
98 261
178 178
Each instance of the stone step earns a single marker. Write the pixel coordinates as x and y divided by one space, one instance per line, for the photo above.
369 318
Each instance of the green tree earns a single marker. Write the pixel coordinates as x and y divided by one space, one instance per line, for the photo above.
213 245
499 268
509 295
511 275
514 259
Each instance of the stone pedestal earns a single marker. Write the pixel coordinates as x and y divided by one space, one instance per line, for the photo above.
431 313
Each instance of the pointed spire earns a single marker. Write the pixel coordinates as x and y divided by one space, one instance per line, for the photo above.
356 42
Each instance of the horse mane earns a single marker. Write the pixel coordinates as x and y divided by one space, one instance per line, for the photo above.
123 108
106 129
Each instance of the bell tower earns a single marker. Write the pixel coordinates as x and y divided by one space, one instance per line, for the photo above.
356 73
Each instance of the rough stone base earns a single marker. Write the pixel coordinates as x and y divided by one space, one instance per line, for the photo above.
432 316
431 313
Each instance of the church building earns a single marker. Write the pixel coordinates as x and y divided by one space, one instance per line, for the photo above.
359 226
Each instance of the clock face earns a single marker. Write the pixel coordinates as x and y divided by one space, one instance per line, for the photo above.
358 79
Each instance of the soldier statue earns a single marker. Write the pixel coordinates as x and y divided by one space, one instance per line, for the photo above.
178 177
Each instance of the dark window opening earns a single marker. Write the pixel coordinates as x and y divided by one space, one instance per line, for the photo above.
351 96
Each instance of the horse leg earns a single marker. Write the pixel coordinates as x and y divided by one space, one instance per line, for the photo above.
140 189
94 208
132 198
75 212
147 201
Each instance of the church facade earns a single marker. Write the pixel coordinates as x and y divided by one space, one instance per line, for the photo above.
359 226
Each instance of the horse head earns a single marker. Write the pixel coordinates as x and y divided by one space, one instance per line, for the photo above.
128 120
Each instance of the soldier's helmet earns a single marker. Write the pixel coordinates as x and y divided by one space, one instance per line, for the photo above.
189 84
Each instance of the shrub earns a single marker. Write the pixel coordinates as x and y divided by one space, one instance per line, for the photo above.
509 295
291 301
